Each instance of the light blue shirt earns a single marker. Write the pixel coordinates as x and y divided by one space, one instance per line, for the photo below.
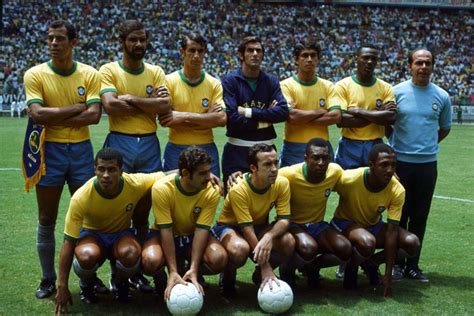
421 111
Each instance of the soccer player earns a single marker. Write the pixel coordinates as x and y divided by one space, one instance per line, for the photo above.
311 184
197 103
243 227
364 195
368 104
312 104
133 94
254 102
98 227
184 206
423 121
63 95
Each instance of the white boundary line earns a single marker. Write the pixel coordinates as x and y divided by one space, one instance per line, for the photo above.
453 199
10 169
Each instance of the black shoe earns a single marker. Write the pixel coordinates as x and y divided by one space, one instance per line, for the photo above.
99 286
120 289
350 278
161 280
340 271
139 282
288 275
88 293
313 276
372 272
415 273
227 284
46 288
257 276
397 272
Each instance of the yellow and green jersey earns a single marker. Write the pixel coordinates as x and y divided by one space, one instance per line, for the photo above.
51 87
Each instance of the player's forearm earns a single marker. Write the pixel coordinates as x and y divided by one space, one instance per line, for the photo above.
442 133
391 243
152 105
279 228
65 262
114 106
199 120
297 116
383 117
329 118
199 245
54 115
87 117
249 236
167 243
349 120
276 114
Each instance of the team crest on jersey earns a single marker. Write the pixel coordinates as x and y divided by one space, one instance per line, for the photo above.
129 207
322 102
149 89
81 91
435 107
34 142
205 103
381 209
378 103
197 210
327 193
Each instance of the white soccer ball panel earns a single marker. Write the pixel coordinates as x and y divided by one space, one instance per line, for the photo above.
184 300
277 300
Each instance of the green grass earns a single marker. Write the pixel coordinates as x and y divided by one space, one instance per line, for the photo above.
448 254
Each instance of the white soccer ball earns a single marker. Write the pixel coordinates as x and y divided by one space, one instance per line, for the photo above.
184 300
277 300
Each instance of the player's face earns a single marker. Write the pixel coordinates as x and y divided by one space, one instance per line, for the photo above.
60 47
135 45
421 67
199 179
366 61
267 170
384 167
317 162
307 60
253 55
108 175
193 55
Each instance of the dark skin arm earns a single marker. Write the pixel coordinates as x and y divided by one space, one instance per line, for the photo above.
297 116
442 133
329 118
54 115
349 120
63 296
391 244
114 106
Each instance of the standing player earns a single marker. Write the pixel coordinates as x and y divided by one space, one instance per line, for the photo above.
62 95
364 195
311 184
243 227
313 105
368 104
423 121
197 103
133 94
254 102
184 206
98 227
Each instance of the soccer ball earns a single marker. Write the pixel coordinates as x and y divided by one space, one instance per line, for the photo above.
277 300
184 300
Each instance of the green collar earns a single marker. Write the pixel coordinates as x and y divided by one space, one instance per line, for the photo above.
306 83
183 77
254 189
305 174
63 73
105 195
132 71
354 77
180 187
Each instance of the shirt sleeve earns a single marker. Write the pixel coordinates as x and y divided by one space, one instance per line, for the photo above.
276 114
74 220
159 78
240 208
218 95
445 118
33 88
389 95
395 208
283 199
332 100
161 200
285 89
107 78
206 217
93 88
340 96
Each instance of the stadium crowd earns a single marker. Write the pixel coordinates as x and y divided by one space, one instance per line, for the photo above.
339 29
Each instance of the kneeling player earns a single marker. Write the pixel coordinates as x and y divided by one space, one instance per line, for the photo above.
364 195
98 227
243 226
184 206
311 183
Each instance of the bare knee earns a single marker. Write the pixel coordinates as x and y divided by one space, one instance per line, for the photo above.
128 254
152 260
238 253
307 249
287 245
88 256
366 245
342 248
411 244
216 258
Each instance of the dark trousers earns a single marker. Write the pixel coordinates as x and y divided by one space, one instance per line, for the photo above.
419 180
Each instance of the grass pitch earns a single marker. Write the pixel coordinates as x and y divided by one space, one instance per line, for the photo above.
447 258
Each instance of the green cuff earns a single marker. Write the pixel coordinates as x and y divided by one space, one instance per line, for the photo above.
66 236
34 101
165 225
283 217
394 222
246 224
91 101
205 227
107 90
334 107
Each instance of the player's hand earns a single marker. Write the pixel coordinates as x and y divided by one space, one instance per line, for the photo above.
353 110
292 103
389 106
216 181
263 249
63 297
268 277
125 98
161 92
191 275
241 110
173 279
386 282
214 108
234 179
174 117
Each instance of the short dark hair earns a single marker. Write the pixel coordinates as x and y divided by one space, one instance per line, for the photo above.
109 153
71 30
195 37
377 149
248 40
412 52
191 158
306 44
129 26
316 142
366 45
254 150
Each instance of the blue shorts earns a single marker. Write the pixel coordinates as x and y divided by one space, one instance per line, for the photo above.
351 154
172 151
67 162
182 244
293 153
313 229
141 153
219 230
341 225
106 240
